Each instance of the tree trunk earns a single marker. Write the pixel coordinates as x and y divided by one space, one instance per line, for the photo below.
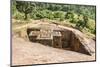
25 17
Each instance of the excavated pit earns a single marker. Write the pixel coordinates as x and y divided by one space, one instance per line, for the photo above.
60 38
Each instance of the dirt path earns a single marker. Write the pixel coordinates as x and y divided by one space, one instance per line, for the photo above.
25 52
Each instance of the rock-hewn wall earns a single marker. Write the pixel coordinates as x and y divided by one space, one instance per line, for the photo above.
72 38
65 38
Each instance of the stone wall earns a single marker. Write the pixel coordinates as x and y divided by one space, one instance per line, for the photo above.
32 29
57 42
81 44
45 42
65 38
74 42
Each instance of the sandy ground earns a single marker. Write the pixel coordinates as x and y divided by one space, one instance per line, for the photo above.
25 53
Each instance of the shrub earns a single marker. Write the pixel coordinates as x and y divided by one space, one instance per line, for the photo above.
69 15
79 24
18 16
74 20
42 14
48 14
91 26
59 14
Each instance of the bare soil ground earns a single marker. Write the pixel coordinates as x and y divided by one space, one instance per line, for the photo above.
25 53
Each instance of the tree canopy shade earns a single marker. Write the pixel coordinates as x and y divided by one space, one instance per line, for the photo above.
24 7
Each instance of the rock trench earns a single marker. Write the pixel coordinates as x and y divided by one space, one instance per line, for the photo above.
58 36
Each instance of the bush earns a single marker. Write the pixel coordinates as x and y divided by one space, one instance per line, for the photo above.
18 16
48 14
74 20
79 24
69 15
72 17
59 14
91 26
42 14
37 15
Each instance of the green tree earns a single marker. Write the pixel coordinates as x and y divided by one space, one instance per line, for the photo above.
82 23
69 15
59 14
85 18
79 24
24 7
54 7
13 6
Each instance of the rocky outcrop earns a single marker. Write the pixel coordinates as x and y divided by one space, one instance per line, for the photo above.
80 43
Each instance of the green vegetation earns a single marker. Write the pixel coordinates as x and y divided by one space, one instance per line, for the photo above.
24 7
81 17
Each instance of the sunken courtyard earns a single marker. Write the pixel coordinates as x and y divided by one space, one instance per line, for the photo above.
60 37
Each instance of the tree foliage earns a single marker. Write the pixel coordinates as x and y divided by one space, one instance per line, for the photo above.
24 7
82 23
80 15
